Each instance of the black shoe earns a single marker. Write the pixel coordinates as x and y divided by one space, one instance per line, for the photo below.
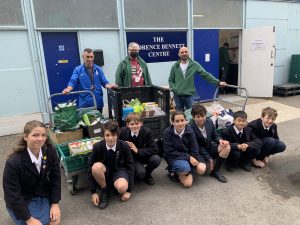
246 167
103 199
149 180
219 176
229 167
173 177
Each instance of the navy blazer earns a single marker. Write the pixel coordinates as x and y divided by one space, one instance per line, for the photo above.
176 148
259 130
22 181
230 135
203 142
145 143
123 161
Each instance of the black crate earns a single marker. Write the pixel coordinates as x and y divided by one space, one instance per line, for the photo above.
156 94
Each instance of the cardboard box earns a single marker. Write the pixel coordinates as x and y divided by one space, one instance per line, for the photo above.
93 131
67 136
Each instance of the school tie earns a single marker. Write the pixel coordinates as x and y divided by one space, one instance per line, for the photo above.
240 134
111 159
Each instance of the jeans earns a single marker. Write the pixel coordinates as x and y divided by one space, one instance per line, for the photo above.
183 102
270 146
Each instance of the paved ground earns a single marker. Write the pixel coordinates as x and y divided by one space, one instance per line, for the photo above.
266 196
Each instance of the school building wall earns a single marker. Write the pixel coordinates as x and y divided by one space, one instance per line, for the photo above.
23 86
285 16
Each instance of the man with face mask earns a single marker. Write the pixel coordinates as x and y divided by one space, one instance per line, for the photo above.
133 71
90 77
181 80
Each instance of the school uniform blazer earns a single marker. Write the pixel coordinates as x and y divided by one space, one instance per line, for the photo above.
230 135
124 161
203 142
22 181
145 143
176 148
259 130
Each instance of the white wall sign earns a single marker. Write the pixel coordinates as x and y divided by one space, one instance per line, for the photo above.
258 44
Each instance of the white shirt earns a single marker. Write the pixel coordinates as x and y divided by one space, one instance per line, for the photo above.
37 161
132 134
183 67
203 131
237 131
112 148
268 128
180 135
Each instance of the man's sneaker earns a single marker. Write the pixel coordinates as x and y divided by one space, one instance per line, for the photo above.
103 199
219 176
149 180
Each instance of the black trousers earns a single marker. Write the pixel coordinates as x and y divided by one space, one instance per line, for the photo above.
237 157
145 168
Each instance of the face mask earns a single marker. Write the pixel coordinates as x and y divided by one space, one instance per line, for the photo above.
134 54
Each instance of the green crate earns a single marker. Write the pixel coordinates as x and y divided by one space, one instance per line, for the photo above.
69 162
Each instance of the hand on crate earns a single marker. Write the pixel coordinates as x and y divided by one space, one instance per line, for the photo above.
95 199
132 147
111 86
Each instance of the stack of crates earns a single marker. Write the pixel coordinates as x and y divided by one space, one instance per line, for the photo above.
159 95
293 87
71 163
286 89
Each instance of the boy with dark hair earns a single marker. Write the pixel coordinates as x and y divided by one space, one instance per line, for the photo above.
244 145
211 146
110 166
265 129
181 151
142 146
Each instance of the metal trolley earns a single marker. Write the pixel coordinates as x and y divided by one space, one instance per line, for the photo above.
232 101
72 165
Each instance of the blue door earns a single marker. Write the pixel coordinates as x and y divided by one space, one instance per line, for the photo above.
206 52
61 56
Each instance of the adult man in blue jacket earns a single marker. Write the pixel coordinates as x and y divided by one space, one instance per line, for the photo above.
90 77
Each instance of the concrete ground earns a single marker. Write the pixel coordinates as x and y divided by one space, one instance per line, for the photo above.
264 196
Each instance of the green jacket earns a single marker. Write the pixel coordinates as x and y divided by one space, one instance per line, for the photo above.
124 74
185 86
224 59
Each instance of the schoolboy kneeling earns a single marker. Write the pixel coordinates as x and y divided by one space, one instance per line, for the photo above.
266 130
211 146
181 150
110 166
245 146
143 147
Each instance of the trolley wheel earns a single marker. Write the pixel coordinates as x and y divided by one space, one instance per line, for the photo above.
73 185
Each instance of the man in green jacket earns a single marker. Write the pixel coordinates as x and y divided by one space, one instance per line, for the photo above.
133 71
181 79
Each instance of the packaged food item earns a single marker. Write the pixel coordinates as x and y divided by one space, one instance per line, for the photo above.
83 146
